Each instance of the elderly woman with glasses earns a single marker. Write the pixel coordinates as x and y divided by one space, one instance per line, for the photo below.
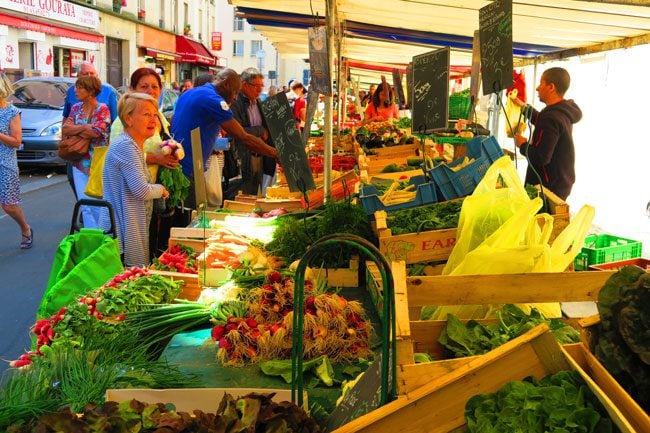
127 182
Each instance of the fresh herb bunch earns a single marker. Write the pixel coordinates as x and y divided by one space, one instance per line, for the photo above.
294 236
175 183
435 216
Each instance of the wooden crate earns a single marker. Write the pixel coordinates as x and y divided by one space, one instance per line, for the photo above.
580 355
428 246
191 285
411 293
438 406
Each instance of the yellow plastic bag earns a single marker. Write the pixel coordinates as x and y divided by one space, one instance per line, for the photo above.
500 232
515 121
95 185
496 198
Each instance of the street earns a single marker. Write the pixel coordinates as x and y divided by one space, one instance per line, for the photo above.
47 201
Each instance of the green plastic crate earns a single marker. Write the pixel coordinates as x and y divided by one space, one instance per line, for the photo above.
459 106
605 249
456 141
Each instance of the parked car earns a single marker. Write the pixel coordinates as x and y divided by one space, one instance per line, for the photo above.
40 101
166 103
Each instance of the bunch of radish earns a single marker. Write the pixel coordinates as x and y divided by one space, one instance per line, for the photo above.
333 326
172 147
43 329
132 273
178 258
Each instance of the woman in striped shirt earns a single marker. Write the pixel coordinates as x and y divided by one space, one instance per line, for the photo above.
127 182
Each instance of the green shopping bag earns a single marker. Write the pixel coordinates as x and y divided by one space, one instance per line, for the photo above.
83 261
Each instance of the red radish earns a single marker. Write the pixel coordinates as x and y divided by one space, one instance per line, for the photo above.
251 322
19 363
225 344
218 332
274 277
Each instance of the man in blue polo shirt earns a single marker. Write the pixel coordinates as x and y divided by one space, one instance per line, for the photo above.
208 108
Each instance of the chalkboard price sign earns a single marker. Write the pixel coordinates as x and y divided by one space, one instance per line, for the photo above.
365 396
430 97
495 34
281 124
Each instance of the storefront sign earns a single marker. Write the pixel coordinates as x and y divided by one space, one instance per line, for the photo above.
57 10
216 41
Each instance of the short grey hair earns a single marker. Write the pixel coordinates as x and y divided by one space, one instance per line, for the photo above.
250 74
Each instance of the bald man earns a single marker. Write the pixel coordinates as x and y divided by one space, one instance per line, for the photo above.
208 107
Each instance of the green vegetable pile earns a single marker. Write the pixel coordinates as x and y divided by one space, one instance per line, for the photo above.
293 236
175 183
475 338
559 403
250 413
435 216
403 122
623 345
70 377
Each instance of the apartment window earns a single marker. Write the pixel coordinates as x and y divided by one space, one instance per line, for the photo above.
238 48
255 47
238 24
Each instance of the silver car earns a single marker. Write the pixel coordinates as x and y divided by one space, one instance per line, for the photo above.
40 101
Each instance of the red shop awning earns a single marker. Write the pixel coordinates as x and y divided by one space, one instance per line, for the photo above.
192 51
36 25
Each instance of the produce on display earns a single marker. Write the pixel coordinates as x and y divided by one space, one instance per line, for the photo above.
293 236
623 345
561 402
333 326
101 311
73 377
474 338
249 413
435 216
179 258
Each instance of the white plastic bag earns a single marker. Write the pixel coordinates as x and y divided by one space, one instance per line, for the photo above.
213 190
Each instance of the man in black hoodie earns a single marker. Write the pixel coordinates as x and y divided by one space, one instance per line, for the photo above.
551 153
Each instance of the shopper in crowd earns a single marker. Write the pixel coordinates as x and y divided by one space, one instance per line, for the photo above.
382 104
89 118
107 96
247 112
273 90
175 87
147 80
551 152
203 78
11 138
187 85
127 182
300 104
208 108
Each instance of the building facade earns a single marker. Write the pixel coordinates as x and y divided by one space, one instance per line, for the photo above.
179 38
